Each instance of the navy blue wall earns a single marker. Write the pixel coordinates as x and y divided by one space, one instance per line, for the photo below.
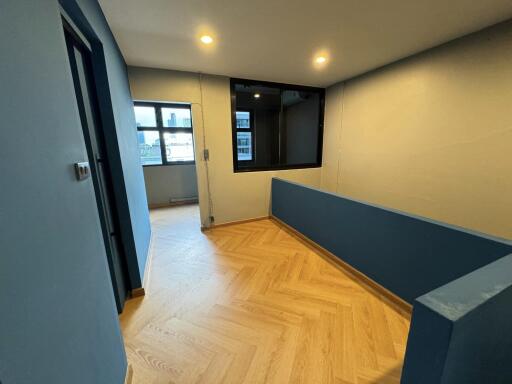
460 333
58 321
408 255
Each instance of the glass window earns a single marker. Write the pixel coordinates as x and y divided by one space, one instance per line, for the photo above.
176 118
244 145
145 116
276 126
244 136
243 119
172 123
149 147
179 146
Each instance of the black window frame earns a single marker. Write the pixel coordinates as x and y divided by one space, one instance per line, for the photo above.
161 129
282 86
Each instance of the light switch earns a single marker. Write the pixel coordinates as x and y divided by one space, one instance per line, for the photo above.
82 170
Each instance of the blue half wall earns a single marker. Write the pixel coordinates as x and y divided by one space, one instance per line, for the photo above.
406 254
460 333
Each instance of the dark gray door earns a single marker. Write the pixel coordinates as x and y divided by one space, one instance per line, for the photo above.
81 68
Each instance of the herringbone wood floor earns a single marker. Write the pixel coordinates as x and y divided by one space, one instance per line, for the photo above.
249 303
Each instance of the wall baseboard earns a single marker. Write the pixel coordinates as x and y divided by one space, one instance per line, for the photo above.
214 226
147 270
149 263
137 292
129 375
174 203
141 291
403 306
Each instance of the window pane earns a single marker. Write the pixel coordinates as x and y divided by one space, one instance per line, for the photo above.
176 118
244 146
149 147
179 146
243 119
284 121
145 116
300 120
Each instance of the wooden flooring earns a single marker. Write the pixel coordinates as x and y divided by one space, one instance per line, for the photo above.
249 303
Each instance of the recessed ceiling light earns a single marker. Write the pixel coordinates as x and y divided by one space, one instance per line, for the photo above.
320 59
206 39
257 95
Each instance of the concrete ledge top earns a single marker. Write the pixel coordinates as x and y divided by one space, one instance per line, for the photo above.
461 296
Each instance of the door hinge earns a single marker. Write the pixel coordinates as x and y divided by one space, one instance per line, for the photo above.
206 154
212 219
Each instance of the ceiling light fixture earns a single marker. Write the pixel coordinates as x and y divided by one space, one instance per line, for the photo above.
206 39
257 95
320 59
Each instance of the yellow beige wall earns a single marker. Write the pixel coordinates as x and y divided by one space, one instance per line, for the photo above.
234 196
431 135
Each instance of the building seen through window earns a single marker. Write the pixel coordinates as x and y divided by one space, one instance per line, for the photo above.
164 133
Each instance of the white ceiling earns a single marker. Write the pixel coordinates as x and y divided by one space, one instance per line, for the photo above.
276 40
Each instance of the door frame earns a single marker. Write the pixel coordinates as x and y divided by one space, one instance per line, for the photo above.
72 15
102 180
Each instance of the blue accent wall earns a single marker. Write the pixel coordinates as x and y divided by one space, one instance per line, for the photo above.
117 111
58 321
406 254
460 333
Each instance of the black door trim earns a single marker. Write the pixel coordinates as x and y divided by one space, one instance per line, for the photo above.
107 209
72 11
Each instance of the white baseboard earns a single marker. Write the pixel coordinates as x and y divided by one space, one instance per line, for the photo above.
149 263
129 375
141 291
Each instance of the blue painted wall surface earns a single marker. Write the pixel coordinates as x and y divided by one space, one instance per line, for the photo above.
427 346
58 321
408 255
137 215
460 333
